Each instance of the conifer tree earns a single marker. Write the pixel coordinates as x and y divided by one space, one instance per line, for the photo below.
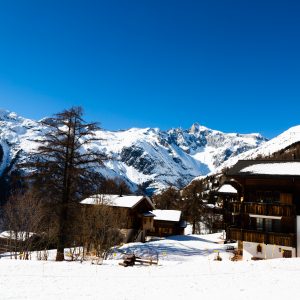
64 167
167 199
192 204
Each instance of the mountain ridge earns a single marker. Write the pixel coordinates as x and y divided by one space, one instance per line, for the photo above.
283 141
147 157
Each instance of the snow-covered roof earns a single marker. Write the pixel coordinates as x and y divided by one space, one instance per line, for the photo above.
283 168
265 168
148 214
116 200
21 236
209 205
167 215
227 189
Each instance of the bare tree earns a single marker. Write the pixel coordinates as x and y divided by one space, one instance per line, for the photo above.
23 215
99 227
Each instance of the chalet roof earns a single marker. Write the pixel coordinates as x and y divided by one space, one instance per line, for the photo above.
266 168
227 189
116 200
167 215
148 214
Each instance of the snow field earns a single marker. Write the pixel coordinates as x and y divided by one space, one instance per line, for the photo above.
186 270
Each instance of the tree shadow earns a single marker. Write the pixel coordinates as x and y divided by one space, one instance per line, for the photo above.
173 246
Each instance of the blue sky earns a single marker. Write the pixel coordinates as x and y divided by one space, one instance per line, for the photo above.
229 65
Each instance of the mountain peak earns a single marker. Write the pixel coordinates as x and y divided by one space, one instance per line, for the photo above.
196 127
8 115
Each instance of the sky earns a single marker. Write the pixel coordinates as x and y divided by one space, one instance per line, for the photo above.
229 65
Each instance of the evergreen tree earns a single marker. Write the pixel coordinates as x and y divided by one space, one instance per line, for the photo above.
192 204
167 199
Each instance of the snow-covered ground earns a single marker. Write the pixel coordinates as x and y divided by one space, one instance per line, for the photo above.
186 270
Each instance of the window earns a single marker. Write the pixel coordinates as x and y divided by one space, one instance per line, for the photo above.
276 225
287 253
259 224
267 196
268 223
259 248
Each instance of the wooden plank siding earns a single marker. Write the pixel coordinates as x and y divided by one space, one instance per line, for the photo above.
235 206
280 239
166 228
268 209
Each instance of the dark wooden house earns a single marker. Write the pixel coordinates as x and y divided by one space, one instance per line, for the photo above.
135 210
167 222
265 218
141 219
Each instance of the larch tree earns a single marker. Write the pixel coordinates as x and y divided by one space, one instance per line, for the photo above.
64 167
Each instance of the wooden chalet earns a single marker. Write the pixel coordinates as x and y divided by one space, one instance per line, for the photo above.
135 210
141 219
167 222
265 217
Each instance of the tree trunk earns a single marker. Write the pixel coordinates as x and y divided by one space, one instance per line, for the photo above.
62 234
194 227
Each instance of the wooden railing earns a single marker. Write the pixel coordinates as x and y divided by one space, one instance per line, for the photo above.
281 239
269 209
255 208
235 207
281 210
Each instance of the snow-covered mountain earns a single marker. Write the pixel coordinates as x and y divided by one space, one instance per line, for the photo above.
281 142
149 157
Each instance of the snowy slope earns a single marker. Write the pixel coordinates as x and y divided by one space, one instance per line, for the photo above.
278 143
149 157
16 137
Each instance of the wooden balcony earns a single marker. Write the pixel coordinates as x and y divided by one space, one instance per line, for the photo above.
255 208
268 209
281 210
280 239
234 207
